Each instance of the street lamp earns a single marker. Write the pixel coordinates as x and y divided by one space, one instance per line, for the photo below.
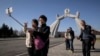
9 11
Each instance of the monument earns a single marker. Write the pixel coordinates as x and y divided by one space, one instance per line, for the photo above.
55 25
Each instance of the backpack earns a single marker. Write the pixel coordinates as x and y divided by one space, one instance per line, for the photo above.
38 42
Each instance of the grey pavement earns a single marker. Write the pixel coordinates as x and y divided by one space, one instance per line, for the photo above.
16 46
61 51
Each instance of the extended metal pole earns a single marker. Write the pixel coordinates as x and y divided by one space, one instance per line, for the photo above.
16 20
9 11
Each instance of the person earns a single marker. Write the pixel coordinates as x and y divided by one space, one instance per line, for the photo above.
70 38
66 40
30 37
93 40
44 32
85 37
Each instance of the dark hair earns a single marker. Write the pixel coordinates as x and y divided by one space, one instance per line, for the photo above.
43 17
70 28
84 21
35 21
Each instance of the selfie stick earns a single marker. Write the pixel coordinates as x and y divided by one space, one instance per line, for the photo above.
9 11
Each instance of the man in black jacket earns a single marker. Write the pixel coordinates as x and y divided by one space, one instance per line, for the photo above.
85 37
44 31
72 39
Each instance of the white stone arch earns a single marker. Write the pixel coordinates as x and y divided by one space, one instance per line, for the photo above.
55 25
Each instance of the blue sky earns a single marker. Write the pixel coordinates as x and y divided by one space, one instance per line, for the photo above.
26 10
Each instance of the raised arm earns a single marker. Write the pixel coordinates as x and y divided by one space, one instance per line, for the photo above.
25 27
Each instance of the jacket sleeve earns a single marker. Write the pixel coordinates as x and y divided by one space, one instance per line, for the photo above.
72 34
65 35
81 34
47 30
45 33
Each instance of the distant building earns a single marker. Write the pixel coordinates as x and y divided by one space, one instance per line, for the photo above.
60 34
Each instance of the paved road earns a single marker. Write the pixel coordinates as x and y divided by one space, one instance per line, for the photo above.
60 50
16 47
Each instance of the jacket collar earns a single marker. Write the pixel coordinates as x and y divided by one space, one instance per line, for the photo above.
43 25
